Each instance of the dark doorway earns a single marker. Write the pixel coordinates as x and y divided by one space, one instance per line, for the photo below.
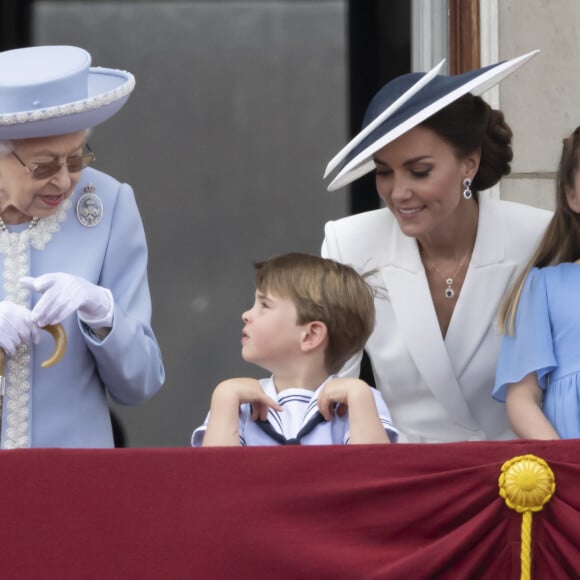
14 23
379 35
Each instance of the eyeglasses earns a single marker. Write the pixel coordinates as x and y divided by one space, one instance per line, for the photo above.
44 170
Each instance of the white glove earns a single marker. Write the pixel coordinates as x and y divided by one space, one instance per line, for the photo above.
65 293
16 326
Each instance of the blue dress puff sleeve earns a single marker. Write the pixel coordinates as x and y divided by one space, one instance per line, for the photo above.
531 348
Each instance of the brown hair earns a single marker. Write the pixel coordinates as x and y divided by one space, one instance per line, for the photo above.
469 124
326 291
561 241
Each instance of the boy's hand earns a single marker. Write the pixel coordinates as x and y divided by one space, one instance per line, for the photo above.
246 390
342 391
223 425
355 396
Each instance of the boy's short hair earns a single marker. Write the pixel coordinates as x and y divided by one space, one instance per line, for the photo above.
327 291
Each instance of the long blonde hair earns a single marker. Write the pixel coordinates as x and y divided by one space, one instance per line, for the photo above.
561 241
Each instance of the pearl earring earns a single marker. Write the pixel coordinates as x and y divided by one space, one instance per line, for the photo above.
467 193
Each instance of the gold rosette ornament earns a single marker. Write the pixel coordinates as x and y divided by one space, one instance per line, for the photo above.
526 483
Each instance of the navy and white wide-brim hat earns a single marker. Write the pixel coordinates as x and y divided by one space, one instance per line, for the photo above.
53 90
404 103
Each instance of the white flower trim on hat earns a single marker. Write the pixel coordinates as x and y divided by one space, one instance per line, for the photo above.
77 107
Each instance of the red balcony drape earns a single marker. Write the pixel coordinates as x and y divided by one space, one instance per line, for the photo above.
343 512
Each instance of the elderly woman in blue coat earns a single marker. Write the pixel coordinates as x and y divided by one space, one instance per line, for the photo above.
72 252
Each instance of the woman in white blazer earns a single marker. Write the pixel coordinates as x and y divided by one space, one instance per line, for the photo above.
442 253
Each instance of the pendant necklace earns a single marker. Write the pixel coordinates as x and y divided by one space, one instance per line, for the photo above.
449 280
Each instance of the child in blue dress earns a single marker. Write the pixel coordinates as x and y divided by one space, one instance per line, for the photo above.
309 316
538 372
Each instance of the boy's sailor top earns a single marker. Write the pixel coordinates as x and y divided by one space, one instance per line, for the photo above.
300 423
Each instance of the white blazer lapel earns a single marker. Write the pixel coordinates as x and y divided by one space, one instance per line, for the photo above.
487 279
409 294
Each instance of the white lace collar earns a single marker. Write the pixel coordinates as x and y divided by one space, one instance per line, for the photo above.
14 245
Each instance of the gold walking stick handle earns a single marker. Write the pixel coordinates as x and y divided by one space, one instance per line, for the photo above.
59 335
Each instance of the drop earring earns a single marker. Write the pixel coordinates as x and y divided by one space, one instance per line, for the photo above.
467 193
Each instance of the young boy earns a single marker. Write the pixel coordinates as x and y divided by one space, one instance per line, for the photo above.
309 316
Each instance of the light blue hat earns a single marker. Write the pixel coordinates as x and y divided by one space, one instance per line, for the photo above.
53 90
